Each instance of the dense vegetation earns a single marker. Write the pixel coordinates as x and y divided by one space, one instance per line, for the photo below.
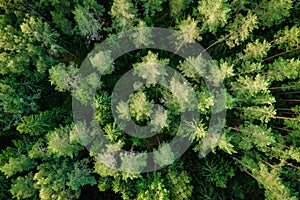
256 46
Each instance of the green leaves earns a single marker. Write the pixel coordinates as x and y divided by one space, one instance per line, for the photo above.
152 188
102 62
132 164
247 87
282 69
151 68
179 183
17 164
214 14
140 107
258 136
62 179
288 38
217 172
152 7
80 176
23 188
159 119
274 11
255 51
88 23
270 179
256 155
60 143
40 123
124 14
263 114
66 78
241 28
164 155
189 32
182 93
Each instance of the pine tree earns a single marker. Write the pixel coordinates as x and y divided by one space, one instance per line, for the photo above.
241 28
214 14
124 14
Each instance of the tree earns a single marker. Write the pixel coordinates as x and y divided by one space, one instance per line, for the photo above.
17 164
179 183
254 47
152 188
88 26
189 32
62 179
140 107
66 78
241 28
273 12
41 123
151 68
214 14
255 51
60 143
124 14
23 188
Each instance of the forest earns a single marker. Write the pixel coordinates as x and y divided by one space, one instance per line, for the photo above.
150 99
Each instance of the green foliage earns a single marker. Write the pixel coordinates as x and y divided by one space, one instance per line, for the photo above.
177 7
132 164
192 67
288 38
66 78
102 62
60 143
164 155
152 7
142 36
255 136
61 179
182 93
247 87
18 164
214 14
86 88
23 188
189 32
41 123
152 188
274 187
226 69
88 23
39 150
15 98
255 51
123 110
205 101
159 119
241 28
274 11
217 172
102 107
4 186
80 175
140 107
179 183
124 14
283 69
263 114
255 46
151 68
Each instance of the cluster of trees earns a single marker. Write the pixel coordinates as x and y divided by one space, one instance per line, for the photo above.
255 45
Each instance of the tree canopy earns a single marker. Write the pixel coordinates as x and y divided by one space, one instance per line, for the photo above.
46 154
